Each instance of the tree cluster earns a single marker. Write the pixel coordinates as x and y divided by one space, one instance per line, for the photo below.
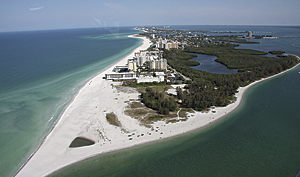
159 101
208 89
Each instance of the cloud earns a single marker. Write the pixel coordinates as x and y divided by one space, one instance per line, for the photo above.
37 8
114 6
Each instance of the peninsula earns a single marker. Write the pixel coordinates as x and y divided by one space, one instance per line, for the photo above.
105 115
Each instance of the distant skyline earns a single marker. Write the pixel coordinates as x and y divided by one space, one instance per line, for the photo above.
19 15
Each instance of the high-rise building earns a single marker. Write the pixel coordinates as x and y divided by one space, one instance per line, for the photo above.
160 64
132 65
171 45
250 34
140 58
164 44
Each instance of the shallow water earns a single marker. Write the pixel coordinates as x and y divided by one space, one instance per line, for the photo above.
260 138
40 73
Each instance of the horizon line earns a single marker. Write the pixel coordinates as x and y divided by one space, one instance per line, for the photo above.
92 27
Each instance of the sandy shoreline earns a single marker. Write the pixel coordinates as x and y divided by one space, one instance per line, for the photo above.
32 170
85 116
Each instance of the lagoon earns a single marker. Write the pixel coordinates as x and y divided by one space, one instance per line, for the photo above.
208 63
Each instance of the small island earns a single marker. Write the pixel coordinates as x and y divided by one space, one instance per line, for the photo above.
276 52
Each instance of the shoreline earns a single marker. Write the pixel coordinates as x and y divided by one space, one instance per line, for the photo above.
111 138
242 89
105 70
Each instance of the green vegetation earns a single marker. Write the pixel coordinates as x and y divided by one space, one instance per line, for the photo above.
209 89
205 89
145 115
231 57
136 105
181 56
159 101
281 55
146 84
113 119
237 40
274 52
183 112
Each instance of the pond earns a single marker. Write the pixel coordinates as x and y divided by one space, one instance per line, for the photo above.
208 63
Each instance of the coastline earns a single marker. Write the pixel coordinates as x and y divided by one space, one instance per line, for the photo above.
146 43
55 147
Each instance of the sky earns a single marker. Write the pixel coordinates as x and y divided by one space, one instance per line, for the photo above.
23 15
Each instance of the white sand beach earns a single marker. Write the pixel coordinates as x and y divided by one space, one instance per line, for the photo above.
86 117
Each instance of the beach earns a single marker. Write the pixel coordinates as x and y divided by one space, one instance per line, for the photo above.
86 117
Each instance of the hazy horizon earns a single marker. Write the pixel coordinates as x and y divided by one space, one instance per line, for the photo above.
43 15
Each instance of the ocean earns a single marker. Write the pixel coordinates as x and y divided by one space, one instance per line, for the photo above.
259 138
40 73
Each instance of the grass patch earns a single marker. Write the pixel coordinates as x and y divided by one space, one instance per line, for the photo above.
172 121
123 89
155 117
137 112
113 119
136 104
177 120
145 115
161 88
183 112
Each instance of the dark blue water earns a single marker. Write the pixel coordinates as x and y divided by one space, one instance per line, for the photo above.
208 64
40 73
260 138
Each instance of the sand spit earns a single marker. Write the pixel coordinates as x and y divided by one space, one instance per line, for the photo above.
86 117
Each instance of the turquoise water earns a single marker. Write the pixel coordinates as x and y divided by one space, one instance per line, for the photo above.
40 73
260 138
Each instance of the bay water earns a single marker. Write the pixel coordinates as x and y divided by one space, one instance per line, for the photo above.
260 138
208 64
40 73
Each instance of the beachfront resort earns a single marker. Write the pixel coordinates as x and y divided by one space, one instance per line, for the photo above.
145 66
138 68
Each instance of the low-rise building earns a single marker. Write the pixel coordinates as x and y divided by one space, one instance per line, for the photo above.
119 68
120 76
143 78
157 74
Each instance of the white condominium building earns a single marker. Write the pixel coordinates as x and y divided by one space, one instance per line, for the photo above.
164 44
160 64
132 65
171 45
